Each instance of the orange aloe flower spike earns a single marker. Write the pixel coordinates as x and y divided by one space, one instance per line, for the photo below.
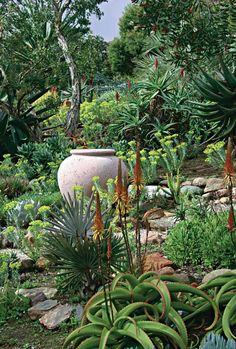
98 228
138 178
229 166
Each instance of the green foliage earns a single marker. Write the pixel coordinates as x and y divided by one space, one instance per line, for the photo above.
185 28
40 159
201 241
216 154
19 118
149 161
216 341
12 306
69 244
96 117
146 311
220 94
124 50
13 186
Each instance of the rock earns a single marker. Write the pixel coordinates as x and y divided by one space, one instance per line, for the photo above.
26 263
183 277
221 193
213 274
200 181
164 193
191 190
164 182
155 262
79 310
162 224
151 191
186 183
154 213
214 184
41 308
166 271
42 263
224 200
39 297
49 292
56 316
153 237
169 214
208 196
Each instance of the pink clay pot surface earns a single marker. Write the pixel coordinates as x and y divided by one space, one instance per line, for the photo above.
83 165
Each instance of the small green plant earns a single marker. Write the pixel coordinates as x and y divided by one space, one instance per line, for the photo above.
201 241
216 154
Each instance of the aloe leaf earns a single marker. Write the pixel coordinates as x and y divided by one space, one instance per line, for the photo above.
228 313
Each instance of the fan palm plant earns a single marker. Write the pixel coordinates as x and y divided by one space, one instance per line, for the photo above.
68 244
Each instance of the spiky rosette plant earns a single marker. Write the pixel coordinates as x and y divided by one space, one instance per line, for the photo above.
221 96
144 312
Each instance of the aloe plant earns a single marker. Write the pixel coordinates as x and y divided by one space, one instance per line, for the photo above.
144 312
19 118
220 107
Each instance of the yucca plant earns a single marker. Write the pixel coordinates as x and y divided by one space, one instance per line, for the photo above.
144 312
221 96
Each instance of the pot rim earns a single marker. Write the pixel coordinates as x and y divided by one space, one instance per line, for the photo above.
93 152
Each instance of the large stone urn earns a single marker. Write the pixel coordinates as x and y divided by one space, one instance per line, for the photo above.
83 165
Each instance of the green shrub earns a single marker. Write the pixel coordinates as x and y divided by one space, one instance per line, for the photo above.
96 117
201 241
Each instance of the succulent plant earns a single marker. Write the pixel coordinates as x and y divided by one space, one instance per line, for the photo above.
221 106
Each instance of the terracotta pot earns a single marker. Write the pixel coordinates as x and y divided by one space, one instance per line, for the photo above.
83 165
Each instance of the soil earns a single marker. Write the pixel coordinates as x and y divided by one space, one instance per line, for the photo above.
24 333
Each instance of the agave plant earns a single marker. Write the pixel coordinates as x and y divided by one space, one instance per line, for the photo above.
221 106
143 312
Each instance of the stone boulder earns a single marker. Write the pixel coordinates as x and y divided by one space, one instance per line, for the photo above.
41 308
200 182
215 273
214 184
26 263
49 292
53 318
191 190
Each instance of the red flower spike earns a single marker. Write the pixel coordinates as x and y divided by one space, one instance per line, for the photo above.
117 97
230 225
129 84
83 77
119 184
138 178
229 166
109 247
156 63
154 28
182 72
98 228
91 81
54 90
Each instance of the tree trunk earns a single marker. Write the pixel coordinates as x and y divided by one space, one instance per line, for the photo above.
73 115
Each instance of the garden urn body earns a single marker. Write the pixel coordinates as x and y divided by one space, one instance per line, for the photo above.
84 164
